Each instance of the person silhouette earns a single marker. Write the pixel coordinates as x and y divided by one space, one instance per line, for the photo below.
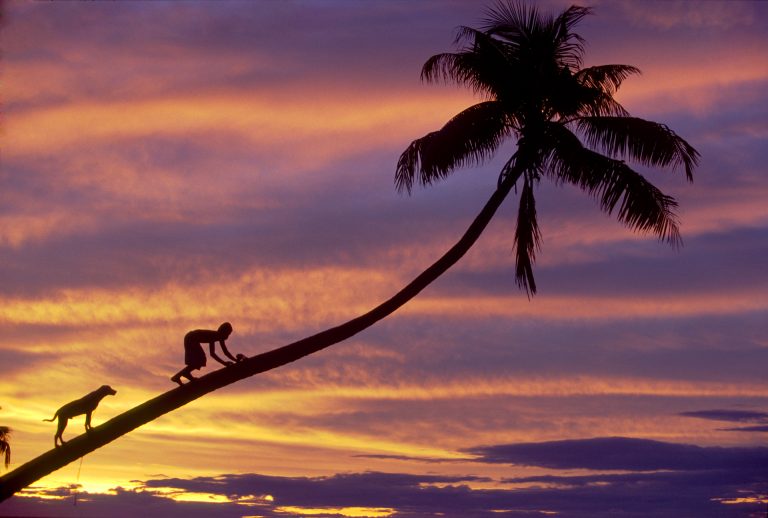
194 355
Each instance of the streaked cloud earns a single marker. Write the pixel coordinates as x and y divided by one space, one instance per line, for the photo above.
620 453
685 13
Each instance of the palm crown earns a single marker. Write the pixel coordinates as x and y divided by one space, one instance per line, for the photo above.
569 128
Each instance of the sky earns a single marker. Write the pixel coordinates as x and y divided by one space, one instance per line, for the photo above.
168 166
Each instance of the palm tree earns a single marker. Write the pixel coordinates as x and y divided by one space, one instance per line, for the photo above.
526 65
5 446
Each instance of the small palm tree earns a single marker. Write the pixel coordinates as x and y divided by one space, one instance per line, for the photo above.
5 446
526 65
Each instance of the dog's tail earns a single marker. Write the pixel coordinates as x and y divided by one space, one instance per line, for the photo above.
52 418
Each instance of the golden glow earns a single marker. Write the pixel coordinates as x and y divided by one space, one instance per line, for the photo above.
186 431
39 492
180 495
260 300
368 512
191 496
741 500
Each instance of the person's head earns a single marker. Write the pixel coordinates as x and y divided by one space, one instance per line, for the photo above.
225 329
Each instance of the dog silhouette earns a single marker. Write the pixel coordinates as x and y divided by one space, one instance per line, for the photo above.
85 405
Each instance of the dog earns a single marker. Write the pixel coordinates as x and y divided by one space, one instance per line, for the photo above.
85 405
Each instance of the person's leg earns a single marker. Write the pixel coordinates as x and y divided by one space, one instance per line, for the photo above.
186 372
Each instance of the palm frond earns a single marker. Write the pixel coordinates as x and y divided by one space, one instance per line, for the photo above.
511 20
598 86
607 78
570 46
536 35
646 142
527 239
594 103
483 64
448 67
569 18
468 138
641 205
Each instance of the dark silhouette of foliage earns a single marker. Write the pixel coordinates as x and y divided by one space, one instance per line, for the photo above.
526 65
5 445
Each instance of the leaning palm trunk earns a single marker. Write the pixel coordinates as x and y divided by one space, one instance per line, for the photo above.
122 424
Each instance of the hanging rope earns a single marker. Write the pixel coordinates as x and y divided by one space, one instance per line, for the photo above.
77 482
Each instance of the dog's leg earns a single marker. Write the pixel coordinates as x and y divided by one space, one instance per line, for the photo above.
60 431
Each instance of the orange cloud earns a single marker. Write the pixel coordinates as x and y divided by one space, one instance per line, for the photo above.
690 84
260 299
289 123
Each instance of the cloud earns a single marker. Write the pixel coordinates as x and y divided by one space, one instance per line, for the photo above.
19 360
656 270
757 428
674 14
647 494
737 416
621 453
197 47
428 460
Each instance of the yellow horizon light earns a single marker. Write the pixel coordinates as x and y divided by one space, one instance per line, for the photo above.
361 512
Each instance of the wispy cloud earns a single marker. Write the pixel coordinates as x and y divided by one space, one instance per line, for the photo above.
621 453
735 416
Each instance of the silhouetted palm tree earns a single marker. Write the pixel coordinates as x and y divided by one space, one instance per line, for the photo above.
5 446
527 66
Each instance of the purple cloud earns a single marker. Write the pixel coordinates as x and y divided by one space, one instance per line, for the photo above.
646 494
736 416
622 453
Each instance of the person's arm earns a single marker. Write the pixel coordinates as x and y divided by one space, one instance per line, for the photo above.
212 347
226 351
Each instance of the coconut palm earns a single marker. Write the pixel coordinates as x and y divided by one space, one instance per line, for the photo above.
526 66
5 446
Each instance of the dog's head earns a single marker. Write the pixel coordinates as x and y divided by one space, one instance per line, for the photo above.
107 390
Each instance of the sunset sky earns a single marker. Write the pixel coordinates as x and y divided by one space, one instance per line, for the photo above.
167 166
